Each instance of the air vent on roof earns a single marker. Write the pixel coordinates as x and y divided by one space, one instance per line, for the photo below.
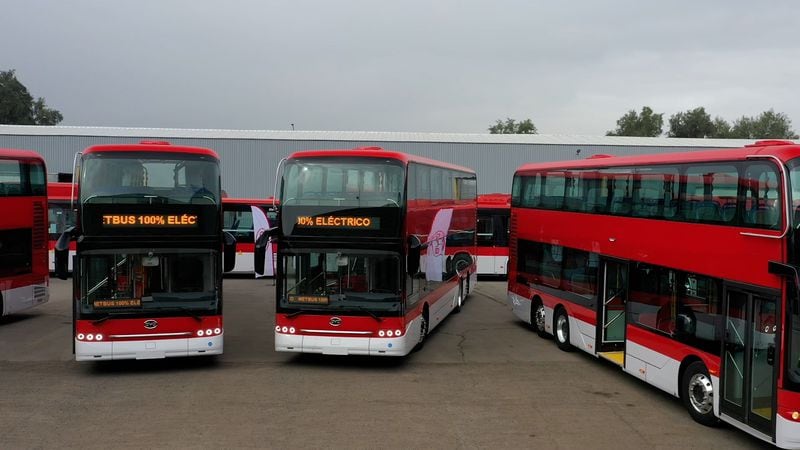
599 156
368 148
768 142
154 142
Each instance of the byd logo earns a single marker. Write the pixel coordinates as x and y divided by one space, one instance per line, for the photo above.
437 243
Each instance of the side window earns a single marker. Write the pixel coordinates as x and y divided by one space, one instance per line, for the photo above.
580 272
698 311
655 192
554 188
620 191
762 198
651 298
596 192
11 180
532 191
423 182
485 231
334 181
412 182
38 179
516 190
436 183
574 199
711 192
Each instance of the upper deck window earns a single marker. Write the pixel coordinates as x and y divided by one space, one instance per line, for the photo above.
343 182
21 178
149 178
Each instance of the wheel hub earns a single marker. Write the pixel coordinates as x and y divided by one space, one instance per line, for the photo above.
701 393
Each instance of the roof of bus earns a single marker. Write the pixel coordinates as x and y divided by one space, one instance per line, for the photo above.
151 146
494 200
12 153
59 191
376 152
250 201
783 150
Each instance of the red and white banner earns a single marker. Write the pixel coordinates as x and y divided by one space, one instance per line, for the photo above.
436 245
260 226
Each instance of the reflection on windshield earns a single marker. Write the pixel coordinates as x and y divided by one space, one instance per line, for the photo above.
150 181
135 281
342 281
368 182
61 217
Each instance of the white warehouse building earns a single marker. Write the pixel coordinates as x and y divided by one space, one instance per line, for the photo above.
250 158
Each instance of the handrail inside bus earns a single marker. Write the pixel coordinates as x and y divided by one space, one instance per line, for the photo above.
787 209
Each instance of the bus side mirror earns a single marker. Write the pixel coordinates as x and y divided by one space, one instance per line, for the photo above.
228 252
262 247
414 254
61 253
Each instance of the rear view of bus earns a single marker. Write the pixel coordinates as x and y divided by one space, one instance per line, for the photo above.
23 231
148 270
375 249
494 211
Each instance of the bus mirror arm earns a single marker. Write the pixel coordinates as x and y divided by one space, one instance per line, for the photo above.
228 252
789 271
61 253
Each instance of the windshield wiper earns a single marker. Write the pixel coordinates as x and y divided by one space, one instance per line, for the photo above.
110 315
189 312
371 314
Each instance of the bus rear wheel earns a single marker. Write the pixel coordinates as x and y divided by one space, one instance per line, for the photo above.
698 394
561 330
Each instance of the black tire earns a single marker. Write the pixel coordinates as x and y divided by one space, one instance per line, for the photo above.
561 330
697 393
460 299
538 318
423 330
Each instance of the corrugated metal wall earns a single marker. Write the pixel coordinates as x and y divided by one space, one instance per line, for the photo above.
249 165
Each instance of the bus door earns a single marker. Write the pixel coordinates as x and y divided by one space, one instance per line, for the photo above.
611 323
749 358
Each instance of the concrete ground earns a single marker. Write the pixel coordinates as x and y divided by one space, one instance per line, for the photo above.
483 380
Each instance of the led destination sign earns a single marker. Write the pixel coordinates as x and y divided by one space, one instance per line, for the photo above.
118 303
362 223
150 220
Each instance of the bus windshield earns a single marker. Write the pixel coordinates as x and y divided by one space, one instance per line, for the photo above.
341 281
138 178
138 280
346 182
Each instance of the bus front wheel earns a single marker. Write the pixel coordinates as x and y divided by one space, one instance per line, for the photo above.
538 318
561 330
698 394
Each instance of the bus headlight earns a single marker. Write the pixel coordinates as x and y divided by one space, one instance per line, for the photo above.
200 333
381 333
81 336
397 332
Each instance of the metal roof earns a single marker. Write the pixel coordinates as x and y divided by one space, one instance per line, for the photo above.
371 136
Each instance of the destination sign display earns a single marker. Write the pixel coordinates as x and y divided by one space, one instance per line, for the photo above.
118 303
352 222
150 220
309 299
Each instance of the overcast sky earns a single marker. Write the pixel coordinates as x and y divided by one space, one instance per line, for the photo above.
573 67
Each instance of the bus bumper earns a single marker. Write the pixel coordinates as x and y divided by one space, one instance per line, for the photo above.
787 432
147 349
328 345
521 306
22 298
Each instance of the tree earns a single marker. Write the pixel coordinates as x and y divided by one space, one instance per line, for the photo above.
511 126
17 106
695 123
767 125
645 124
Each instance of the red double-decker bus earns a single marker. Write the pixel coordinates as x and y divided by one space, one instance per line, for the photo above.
494 211
24 277
245 218
61 216
681 268
147 274
375 249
